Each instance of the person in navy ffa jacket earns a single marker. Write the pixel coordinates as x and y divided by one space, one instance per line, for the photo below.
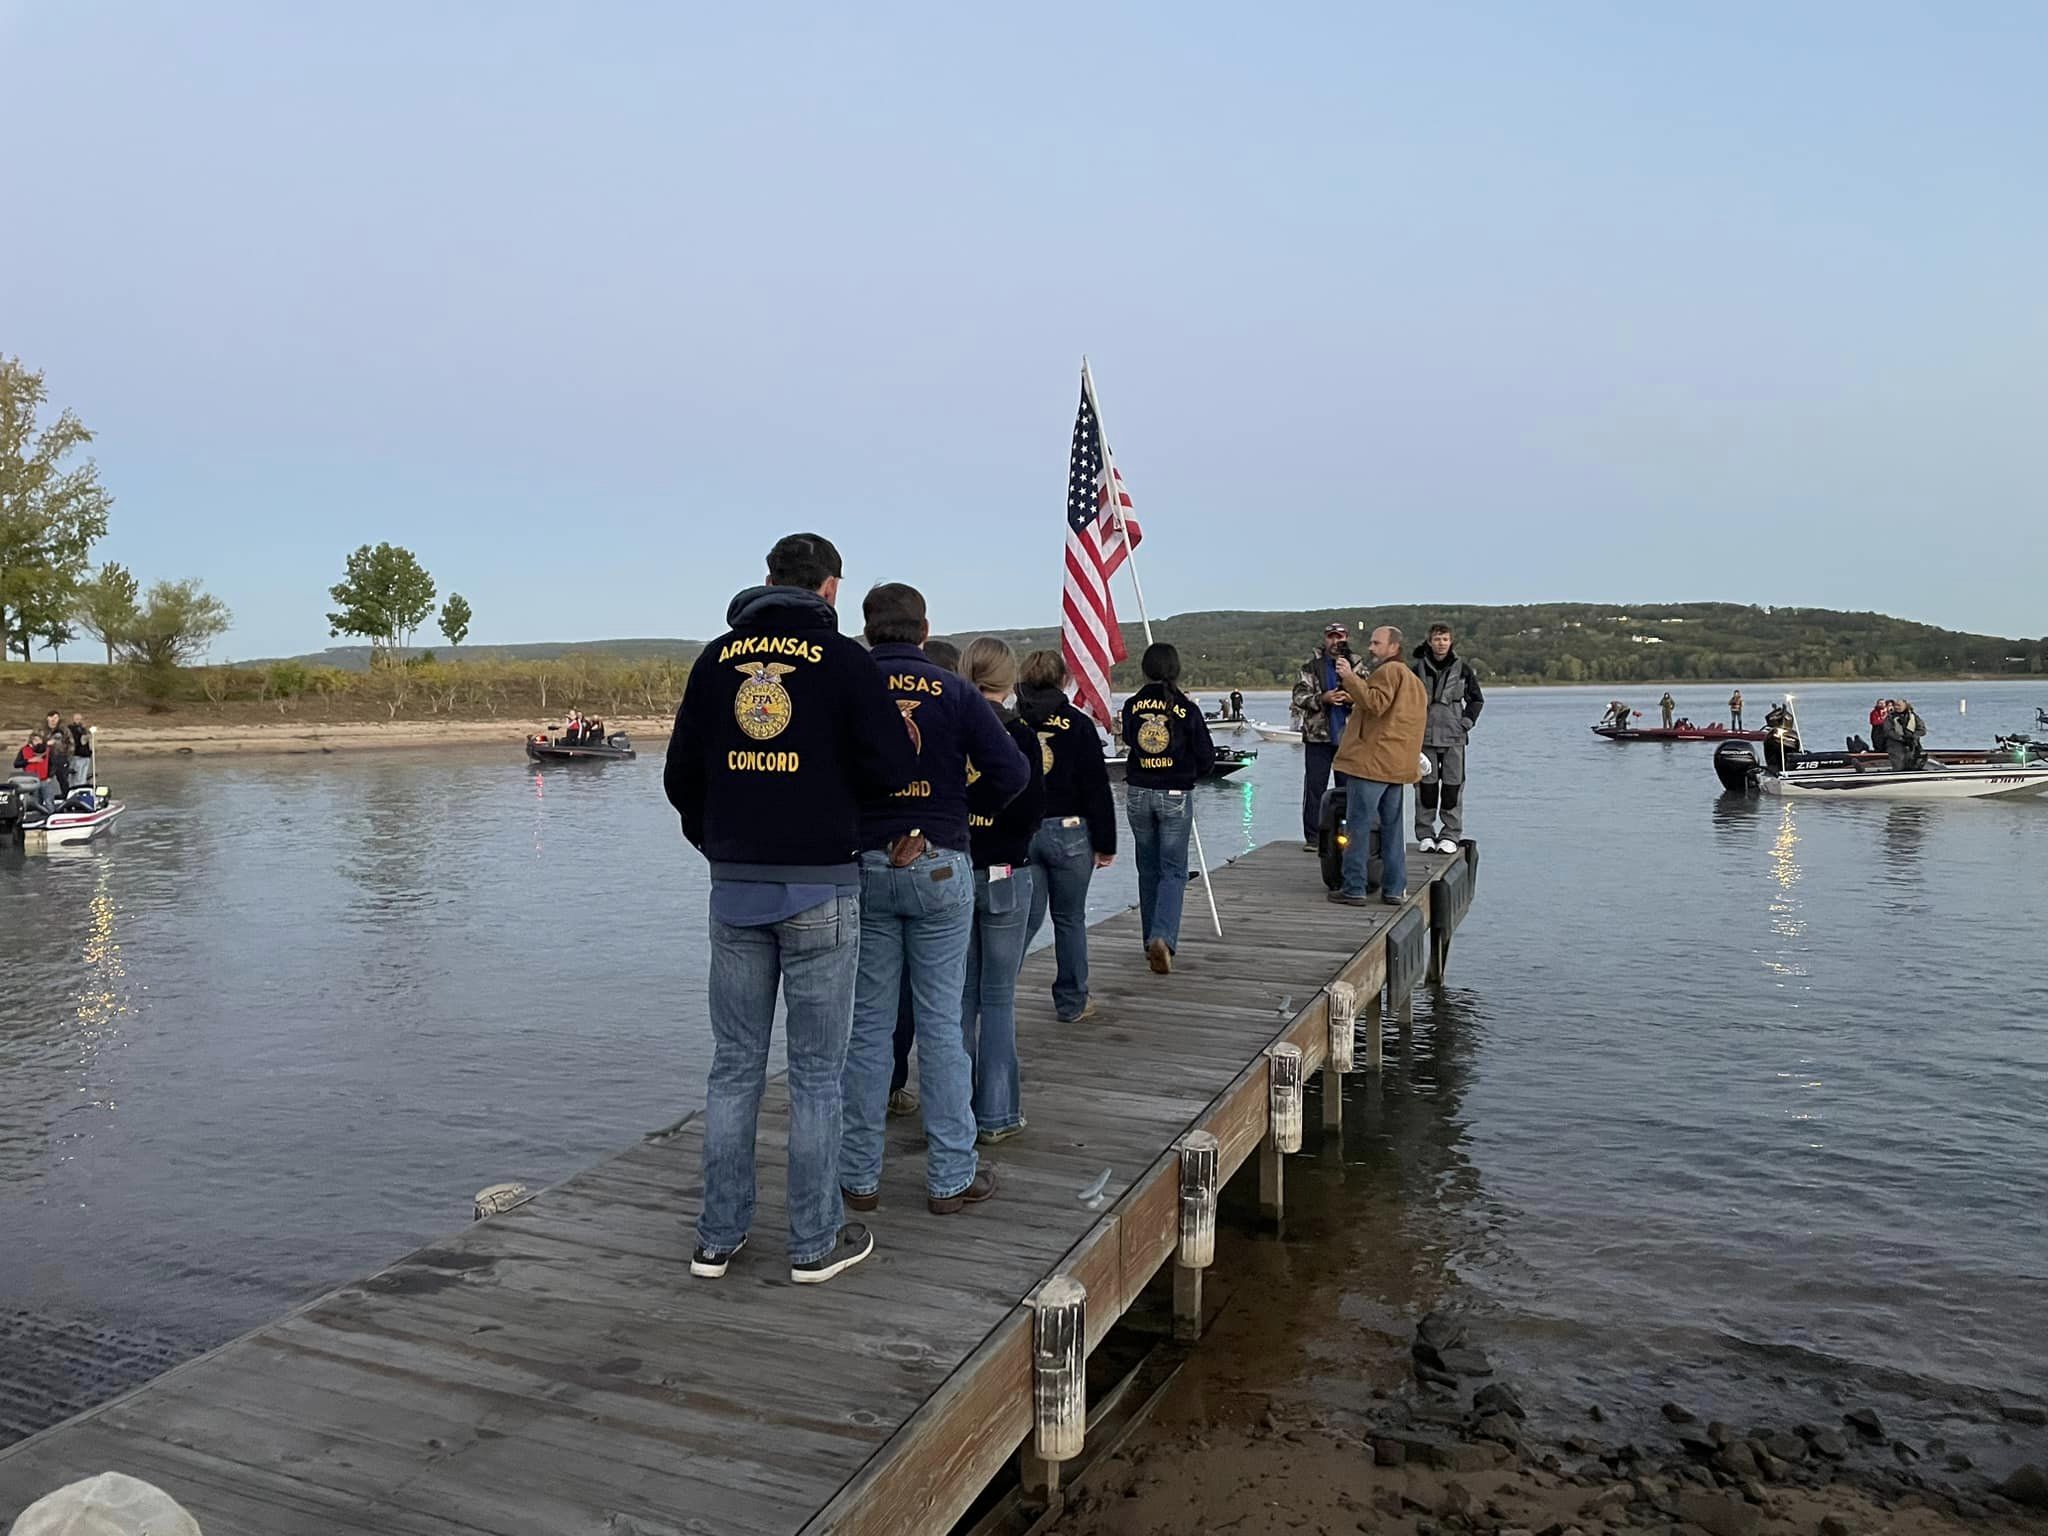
917 911
785 731
1000 849
1078 835
1169 750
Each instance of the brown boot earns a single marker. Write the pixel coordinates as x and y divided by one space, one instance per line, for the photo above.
1159 957
982 1188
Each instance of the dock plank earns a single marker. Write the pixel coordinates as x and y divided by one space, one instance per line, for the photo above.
555 1370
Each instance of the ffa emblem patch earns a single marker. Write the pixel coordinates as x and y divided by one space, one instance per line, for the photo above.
1153 737
1045 751
909 708
762 706
973 774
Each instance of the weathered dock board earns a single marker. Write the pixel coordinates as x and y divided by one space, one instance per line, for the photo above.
555 1371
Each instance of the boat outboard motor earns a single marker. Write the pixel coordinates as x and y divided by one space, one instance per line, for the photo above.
1736 767
13 811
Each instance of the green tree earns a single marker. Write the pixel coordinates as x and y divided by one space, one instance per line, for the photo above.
50 514
108 605
455 617
176 624
385 594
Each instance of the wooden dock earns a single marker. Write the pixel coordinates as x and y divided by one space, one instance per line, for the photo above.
555 1371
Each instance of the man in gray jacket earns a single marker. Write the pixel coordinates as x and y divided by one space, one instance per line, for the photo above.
1455 700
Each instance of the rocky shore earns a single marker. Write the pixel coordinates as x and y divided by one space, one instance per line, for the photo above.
1450 1452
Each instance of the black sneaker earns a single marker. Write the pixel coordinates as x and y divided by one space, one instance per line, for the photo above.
1347 901
709 1263
855 1243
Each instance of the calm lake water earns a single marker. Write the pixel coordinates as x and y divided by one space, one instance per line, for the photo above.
1731 1101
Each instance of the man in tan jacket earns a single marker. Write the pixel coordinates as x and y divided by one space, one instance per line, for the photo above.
1379 757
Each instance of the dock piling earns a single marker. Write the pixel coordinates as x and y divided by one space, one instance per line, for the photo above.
1341 1001
1059 1381
1195 1249
1283 1124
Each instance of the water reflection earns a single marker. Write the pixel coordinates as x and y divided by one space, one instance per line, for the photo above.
1905 835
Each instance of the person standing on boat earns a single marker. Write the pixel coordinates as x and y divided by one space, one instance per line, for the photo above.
999 843
1903 730
1236 704
1170 750
1455 700
917 912
785 730
1323 707
1078 835
78 736
1381 756
1669 705
1880 714
1735 710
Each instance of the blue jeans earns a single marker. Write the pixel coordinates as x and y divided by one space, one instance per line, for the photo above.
813 956
988 997
917 919
1062 864
1364 800
1159 836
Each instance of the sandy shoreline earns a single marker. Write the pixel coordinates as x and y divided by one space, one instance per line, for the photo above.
288 738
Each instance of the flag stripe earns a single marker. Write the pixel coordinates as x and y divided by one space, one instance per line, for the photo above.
1100 537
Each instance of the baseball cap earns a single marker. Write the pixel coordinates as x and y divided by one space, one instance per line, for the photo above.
1336 627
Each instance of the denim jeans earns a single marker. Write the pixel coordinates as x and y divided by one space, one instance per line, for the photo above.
813 955
917 919
1318 760
906 1037
988 996
1062 865
1159 836
1365 800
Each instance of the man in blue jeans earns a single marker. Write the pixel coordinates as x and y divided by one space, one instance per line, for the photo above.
784 730
917 912
1381 755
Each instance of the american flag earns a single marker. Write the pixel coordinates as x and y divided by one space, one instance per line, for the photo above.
1100 536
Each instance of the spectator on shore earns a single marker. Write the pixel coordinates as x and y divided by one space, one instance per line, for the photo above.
1170 749
785 730
1381 756
1323 707
1455 699
903 1097
917 912
999 845
1077 836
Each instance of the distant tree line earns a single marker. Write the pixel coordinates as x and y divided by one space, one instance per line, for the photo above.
1585 643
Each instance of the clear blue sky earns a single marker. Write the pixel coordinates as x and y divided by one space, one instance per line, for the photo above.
587 304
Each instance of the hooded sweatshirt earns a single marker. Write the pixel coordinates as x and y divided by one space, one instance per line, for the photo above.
1001 834
949 722
785 730
1070 752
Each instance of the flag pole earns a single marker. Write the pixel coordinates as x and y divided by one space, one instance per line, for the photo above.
1116 510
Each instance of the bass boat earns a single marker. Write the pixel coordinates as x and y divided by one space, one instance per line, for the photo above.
79 817
1711 732
560 749
2014 766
